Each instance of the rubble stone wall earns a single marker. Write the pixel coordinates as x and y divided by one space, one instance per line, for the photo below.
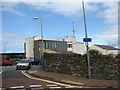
102 67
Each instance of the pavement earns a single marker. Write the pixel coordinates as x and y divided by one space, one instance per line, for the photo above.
73 80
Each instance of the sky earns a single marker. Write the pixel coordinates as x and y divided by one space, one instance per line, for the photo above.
18 24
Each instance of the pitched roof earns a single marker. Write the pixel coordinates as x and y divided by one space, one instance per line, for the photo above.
107 47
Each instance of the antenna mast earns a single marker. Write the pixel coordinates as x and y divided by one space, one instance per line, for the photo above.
73 29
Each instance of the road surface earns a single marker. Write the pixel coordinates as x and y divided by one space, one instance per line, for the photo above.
15 79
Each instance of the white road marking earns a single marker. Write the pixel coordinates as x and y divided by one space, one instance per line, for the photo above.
2 88
52 85
68 87
1 72
35 85
17 87
36 88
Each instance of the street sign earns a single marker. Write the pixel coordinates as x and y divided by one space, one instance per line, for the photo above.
87 39
88 48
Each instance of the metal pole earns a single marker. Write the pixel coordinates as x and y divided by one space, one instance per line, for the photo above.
5 50
86 43
42 40
42 46
41 43
73 28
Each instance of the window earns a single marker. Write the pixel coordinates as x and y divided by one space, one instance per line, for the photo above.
46 45
52 45
69 45
55 45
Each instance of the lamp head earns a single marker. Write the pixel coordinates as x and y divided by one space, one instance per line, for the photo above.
35 18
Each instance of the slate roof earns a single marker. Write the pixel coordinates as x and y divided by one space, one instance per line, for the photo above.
107 47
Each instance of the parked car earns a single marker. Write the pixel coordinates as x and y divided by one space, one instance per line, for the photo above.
2 63
23 64
6 63
36 62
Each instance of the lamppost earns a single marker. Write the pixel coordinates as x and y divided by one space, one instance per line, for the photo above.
86 43
41 45
5 50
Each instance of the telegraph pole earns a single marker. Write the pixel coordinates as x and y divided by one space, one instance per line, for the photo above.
86 43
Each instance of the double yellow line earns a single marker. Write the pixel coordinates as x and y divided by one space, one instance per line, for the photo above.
48 81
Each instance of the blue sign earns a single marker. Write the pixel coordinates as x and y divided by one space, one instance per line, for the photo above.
87 39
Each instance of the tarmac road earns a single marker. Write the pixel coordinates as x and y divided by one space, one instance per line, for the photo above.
15 79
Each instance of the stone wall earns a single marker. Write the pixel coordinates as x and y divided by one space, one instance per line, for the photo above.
102 67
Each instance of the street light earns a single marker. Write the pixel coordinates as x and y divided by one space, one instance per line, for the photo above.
5 50
41 46
35 18
87 46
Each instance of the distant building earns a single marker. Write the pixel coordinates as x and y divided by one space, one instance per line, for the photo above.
105 49
12 56
73 46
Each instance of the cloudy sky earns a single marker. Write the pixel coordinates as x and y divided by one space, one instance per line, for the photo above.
57 17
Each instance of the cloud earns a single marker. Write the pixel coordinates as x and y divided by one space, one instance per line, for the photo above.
109 12
109 35
106 10
11 7
60 0
65 9
68 9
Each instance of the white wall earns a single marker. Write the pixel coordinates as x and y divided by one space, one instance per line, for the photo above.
113 52
94 47
79 48
68 39
70 49
104 51
37 37
29 48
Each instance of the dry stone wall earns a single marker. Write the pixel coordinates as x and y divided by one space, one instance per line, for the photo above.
102 67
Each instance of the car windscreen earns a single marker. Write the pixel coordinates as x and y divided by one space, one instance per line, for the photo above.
23 61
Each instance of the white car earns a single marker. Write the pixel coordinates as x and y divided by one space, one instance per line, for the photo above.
23 64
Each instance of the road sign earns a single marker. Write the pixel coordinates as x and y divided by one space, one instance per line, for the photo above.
88 48
87 39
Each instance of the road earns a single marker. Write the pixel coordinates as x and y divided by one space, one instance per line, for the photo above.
15 79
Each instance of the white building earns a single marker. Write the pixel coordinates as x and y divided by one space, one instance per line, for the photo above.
33 47
105 49
29 46
74 46
64 45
